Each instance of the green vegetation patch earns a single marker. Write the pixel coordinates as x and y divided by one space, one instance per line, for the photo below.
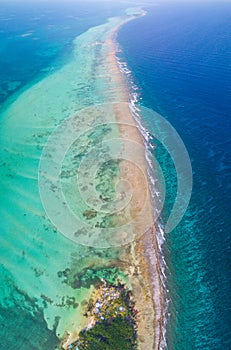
113 334
114 317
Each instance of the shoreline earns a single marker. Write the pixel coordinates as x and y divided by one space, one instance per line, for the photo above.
145 248
139 259
92 78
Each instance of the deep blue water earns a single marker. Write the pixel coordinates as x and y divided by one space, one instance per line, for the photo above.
180 56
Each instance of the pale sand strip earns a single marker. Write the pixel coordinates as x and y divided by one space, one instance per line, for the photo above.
142 260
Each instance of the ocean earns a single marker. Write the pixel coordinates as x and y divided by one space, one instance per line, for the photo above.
179 65
48 59
182 65
36 37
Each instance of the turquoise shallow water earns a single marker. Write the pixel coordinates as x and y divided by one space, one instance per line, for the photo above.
45 277
36 38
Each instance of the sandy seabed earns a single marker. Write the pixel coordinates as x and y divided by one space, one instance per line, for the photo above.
139 259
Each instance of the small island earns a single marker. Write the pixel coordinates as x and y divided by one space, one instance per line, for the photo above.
112 320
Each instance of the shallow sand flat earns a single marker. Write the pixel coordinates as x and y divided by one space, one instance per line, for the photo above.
91 77
39 250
